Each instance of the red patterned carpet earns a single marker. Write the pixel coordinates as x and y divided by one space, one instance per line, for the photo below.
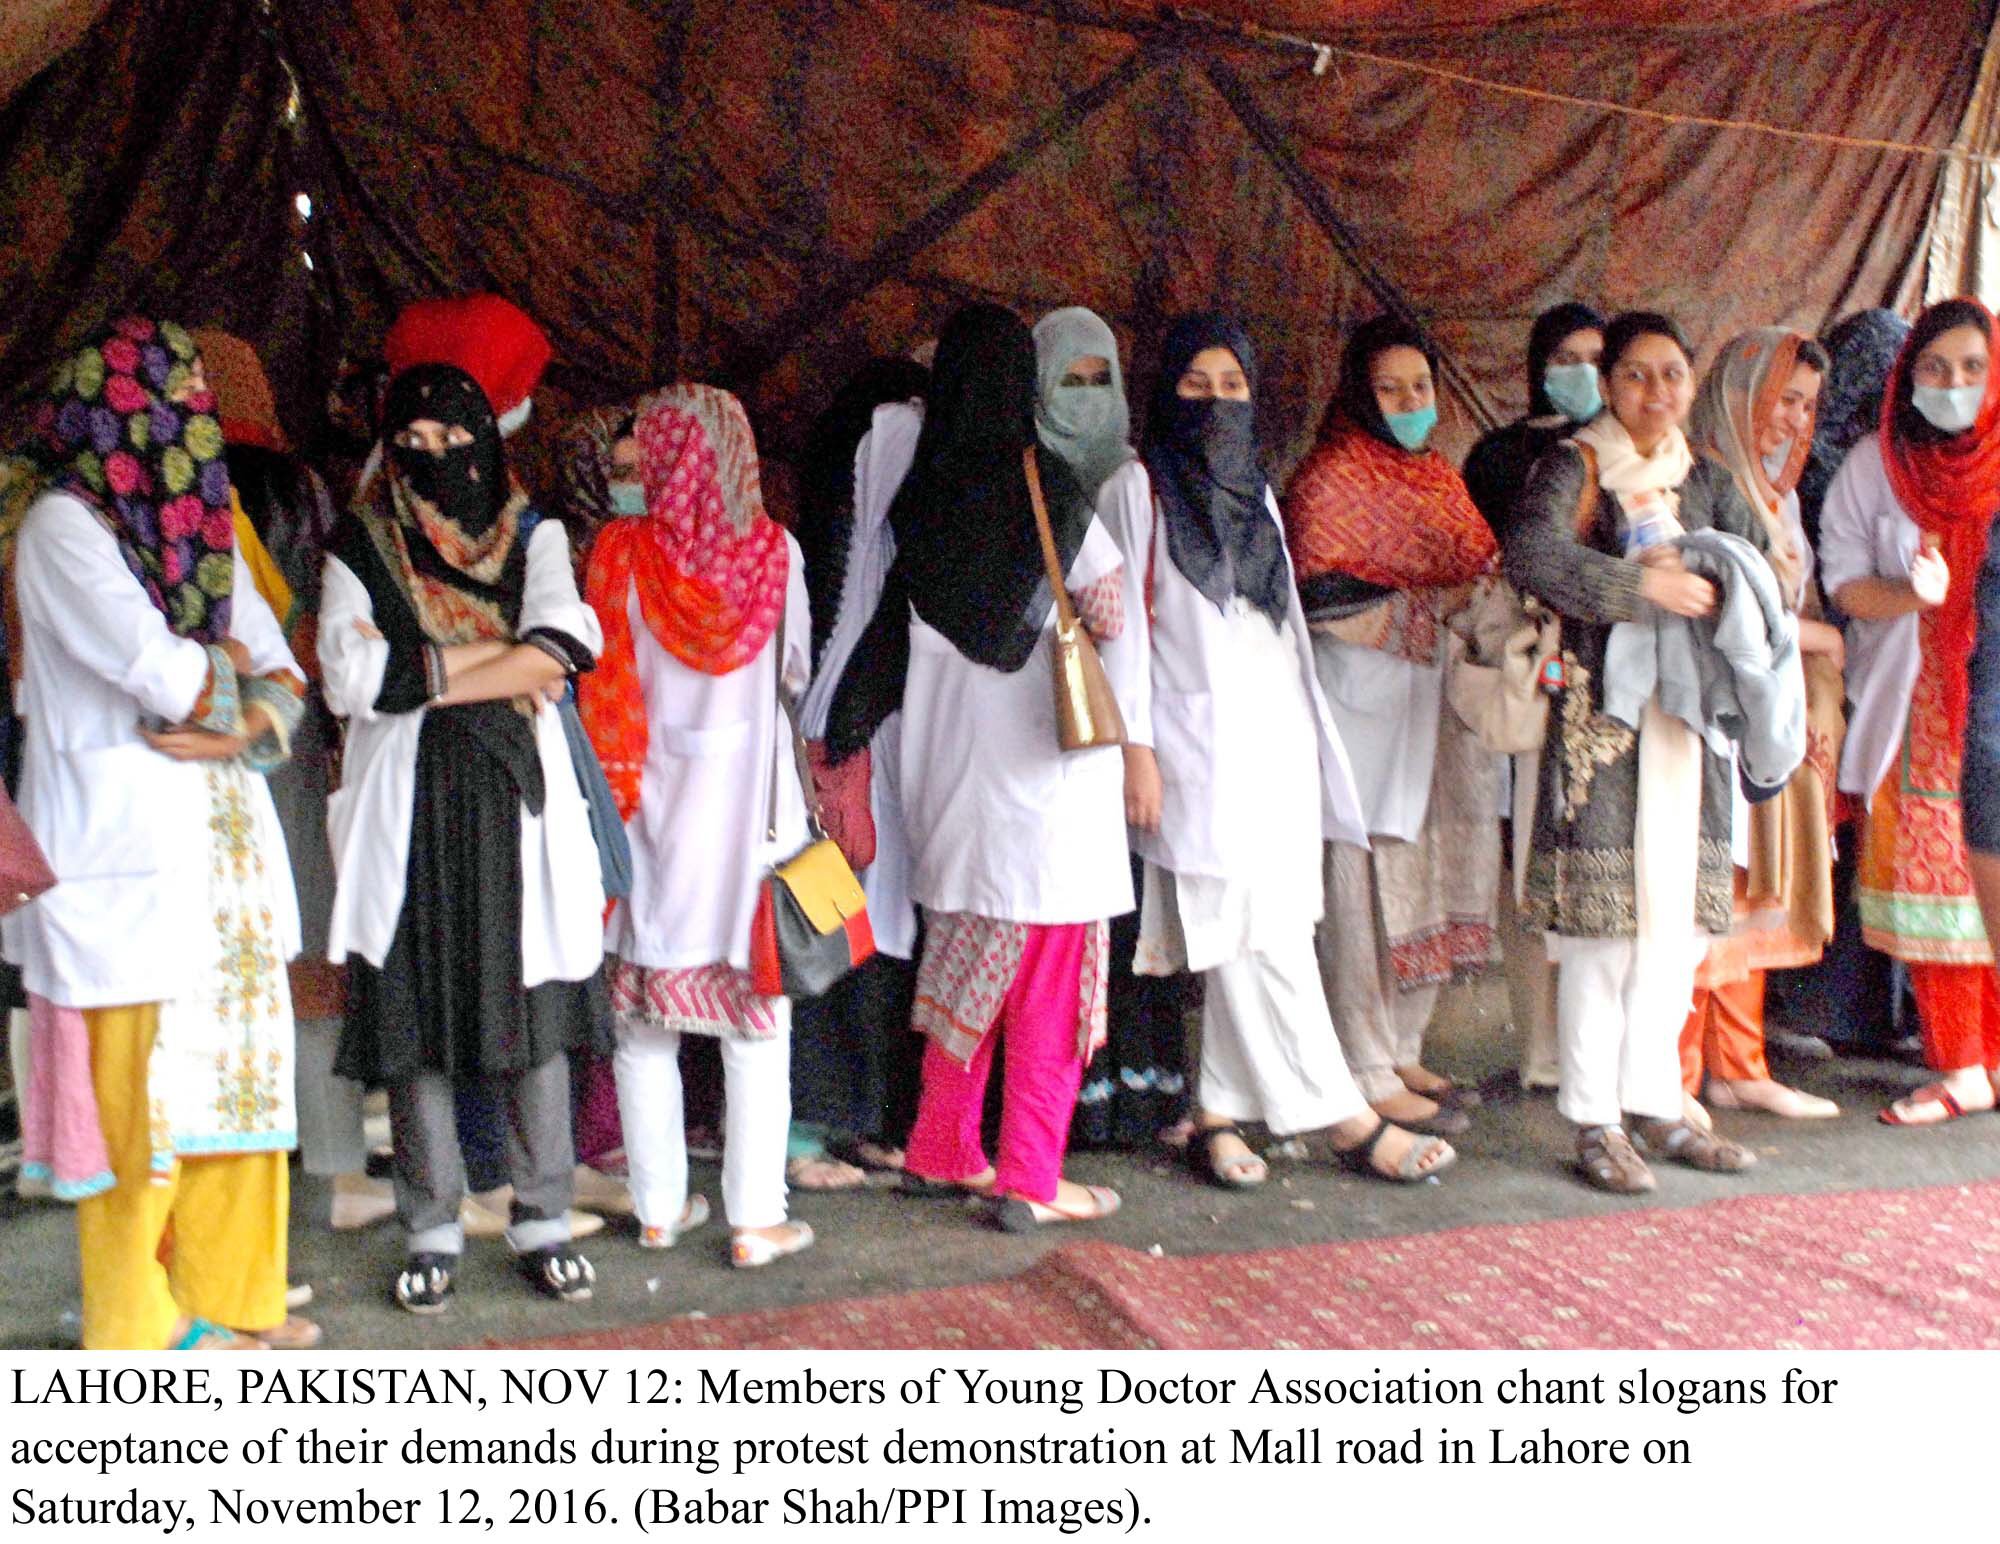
1864 1270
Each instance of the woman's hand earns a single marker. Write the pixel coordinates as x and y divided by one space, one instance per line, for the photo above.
1144 793
195 744
1930 576
1668 585
1823 639
368 629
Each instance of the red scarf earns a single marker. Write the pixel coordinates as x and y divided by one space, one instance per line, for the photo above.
710 568
1384 515
1951 490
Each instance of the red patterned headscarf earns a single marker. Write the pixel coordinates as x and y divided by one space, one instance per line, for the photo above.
710 568
1950 484
1384 515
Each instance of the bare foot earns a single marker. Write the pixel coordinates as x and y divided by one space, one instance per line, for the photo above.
1407 1105
1772 1097
1969 1087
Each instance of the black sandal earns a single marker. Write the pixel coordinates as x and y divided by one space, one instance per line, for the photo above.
558 1272
1360 1158
1200 1158
424 1284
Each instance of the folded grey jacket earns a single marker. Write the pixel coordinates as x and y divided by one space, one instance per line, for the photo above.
1733 677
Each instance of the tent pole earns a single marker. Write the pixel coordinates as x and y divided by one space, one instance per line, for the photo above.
816 309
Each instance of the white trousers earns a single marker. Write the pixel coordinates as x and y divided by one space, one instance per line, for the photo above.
756 1121
1620 1006
1268 1047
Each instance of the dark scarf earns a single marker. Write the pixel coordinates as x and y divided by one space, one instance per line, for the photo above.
153 469
1209 477
826 480
968 559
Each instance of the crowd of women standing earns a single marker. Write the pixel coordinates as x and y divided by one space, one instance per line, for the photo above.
1610 704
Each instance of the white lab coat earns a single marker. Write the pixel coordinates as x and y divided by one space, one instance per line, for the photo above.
368 817
881 461
124 828
1202 730
700 847
1865 533
1002 822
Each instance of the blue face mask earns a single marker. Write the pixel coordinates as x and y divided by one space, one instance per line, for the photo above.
1413 430
627 498
1574 390
1950 408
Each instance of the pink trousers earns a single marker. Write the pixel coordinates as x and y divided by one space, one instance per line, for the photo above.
1043 1071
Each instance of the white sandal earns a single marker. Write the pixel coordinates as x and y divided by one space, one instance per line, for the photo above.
693 1215
752 1251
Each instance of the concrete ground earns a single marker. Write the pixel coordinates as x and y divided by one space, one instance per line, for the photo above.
1514 1167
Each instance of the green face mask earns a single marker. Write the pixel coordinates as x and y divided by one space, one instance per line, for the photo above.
1413 430
627 498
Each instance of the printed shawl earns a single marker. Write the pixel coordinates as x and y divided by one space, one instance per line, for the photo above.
1381 514
710 568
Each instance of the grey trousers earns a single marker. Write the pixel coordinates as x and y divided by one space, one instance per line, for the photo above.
329 1106
430 1169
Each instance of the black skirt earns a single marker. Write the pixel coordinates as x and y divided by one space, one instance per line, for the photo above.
449 997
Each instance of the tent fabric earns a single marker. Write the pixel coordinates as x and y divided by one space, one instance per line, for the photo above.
764 195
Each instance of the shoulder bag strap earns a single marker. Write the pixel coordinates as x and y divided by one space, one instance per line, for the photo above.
799 758
1586 505
1065 612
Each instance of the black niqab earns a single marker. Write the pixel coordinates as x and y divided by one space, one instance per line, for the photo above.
467 484
1208 475
968 558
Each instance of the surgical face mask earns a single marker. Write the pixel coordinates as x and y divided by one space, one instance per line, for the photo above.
1950 408
627 498
1574 390
1413 430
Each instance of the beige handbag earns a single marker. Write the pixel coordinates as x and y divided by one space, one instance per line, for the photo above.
1498 648
1087 713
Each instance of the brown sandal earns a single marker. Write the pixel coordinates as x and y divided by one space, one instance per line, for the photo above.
1687 1143
1605 1156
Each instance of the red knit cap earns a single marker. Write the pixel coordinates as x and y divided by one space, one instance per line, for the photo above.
490 338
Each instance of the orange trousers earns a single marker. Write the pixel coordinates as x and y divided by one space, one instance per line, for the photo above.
1724 1036
1958 1011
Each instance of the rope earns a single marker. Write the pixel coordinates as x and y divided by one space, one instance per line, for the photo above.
1324 53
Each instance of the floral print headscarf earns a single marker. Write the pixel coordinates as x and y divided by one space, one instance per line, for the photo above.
154 469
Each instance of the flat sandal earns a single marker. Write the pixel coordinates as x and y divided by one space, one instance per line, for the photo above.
1686 1143
1606 1158
1246 1171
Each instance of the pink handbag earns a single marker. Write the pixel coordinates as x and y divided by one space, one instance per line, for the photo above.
844 806
24 870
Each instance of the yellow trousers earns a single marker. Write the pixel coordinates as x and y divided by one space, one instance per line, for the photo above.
218 1221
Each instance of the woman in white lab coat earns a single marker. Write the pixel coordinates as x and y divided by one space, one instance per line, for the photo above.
1251 779
468 899
704 605
1017 849
156 690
